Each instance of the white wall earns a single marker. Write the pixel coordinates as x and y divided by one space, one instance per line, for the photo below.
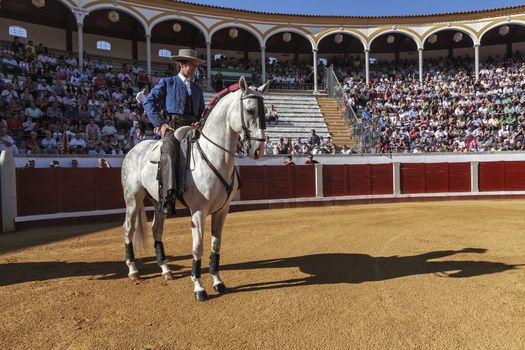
120 48
53 38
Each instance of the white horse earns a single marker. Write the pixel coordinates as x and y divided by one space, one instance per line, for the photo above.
211 181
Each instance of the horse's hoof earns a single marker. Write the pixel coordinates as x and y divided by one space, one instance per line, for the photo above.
134 276
168 276
220 288
201 295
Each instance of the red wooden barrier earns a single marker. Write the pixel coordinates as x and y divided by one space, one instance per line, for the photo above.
75 189
491 176
253 182
412 178
359 179
514 176
278 181
36 191
303 181
108 189
335 180
459 177
382 179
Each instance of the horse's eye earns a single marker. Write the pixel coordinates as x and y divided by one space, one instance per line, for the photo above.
251 110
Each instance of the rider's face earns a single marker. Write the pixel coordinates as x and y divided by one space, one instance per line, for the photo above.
188 69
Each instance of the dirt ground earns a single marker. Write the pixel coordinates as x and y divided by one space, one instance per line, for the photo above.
442 275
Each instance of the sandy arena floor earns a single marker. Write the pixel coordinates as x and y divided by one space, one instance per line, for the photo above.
443 275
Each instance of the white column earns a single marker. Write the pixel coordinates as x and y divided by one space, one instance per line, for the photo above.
476 60
367 65
80 44
8 191
263 64
420 52
319 180
397 177
148 53
208 64
315 70
474 176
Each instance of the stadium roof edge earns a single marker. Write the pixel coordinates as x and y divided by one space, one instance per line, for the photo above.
498 11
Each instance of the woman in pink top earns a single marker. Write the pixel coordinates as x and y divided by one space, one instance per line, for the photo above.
92 130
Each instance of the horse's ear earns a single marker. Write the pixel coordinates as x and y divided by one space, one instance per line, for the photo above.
242 84
263 89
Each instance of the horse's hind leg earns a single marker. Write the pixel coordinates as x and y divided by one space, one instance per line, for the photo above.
158 228
132 210
197 229
217 223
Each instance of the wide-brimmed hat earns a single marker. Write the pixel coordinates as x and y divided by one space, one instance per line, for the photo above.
187 55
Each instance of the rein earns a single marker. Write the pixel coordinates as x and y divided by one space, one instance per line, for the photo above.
247 137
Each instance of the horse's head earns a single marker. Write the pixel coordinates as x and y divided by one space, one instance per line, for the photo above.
248 118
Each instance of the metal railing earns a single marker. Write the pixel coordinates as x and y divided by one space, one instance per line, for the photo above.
363 130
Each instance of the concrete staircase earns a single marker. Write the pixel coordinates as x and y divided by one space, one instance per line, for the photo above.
298 114
335 123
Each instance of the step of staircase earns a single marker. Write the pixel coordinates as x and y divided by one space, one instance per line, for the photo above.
334 122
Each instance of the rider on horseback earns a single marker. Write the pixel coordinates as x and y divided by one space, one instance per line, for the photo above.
183 102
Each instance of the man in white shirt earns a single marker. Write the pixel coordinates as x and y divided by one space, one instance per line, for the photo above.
6 142
33 111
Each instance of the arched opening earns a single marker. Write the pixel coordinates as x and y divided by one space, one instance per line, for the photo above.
50 25
120 29
173 35
505 41
449 46
240 51
393 54
345 52
294 66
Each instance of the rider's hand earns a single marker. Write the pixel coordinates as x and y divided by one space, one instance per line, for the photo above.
163 128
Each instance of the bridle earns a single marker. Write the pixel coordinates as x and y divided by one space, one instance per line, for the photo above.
245 134
246 137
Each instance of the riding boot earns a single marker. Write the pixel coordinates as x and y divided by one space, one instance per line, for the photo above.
168 173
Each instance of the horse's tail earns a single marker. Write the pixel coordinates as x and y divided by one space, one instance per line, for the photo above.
139 237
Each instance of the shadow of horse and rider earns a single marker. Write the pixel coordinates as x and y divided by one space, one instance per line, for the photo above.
321 269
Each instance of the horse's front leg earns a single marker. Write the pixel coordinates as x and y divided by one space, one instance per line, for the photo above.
217 223
197 230
157 228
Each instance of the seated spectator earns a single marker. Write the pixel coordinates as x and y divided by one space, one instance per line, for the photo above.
108 129
6 142
121 119
77 144
271 115
92 130
54 112
97 151
10 65
103 164
32 145
49 143
9 94
136 133
33 112
30 164
310 160
288 161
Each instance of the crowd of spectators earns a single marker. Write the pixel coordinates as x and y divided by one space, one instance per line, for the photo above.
449 112
52 106
49 105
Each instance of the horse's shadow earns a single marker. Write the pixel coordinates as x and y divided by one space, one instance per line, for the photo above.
359 268
329 268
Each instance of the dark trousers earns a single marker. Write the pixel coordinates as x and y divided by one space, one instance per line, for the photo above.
169 175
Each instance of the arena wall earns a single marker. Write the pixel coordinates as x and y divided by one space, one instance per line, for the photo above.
60 193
